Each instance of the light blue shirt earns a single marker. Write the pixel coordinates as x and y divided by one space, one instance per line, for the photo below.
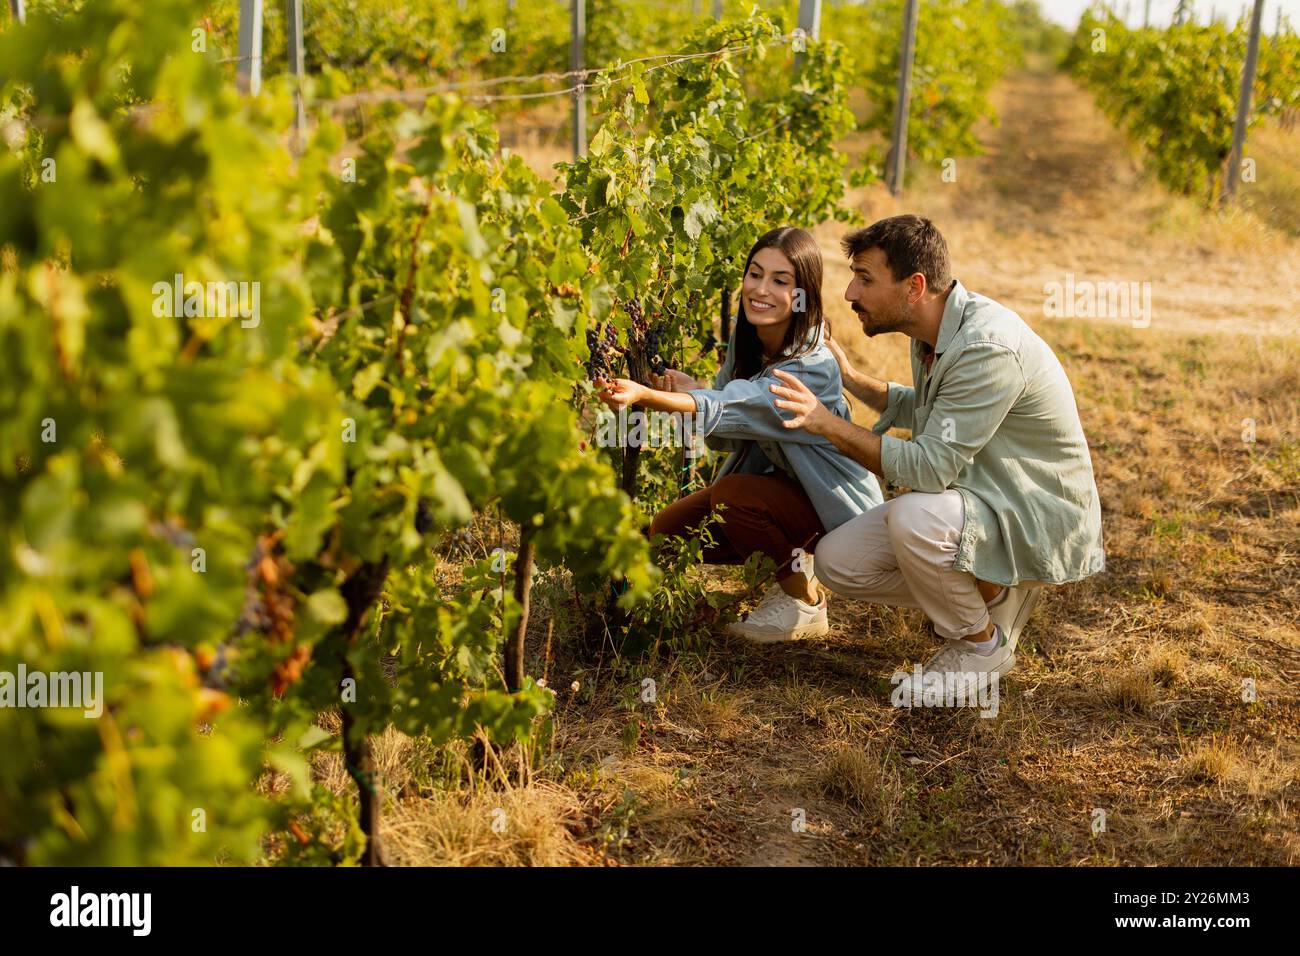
740 416
995 418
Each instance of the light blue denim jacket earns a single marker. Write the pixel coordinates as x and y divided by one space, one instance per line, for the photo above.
739 415
995 419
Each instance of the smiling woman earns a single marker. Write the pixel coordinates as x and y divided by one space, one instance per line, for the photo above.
780 298
779 491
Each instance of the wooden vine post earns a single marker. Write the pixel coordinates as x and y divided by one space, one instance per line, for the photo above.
360 592
523 596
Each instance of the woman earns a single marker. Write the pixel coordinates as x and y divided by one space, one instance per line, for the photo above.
779 490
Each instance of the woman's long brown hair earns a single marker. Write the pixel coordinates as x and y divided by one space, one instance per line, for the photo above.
801 249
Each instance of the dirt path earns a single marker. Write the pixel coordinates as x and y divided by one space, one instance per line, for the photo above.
1057 192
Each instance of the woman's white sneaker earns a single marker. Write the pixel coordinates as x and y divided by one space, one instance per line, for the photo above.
779 617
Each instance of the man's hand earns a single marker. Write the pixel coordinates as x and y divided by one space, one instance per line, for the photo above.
620 392
847 372
795 396
873 392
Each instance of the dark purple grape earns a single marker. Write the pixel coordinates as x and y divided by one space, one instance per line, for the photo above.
253 616
652 351
423 517
637 315
600 342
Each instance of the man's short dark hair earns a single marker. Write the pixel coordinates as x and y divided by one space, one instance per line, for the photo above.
910 243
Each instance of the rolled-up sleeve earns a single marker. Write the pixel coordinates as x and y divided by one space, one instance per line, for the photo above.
973 398
718 443
746 408
898 408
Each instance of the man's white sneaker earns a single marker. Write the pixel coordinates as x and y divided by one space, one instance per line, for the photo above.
960 668
1011 609
779 617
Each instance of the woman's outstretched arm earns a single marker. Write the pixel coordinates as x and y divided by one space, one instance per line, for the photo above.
620 392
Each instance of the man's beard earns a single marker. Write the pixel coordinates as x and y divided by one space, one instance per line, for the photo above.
876 324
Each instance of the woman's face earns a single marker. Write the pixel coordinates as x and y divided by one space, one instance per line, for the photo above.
768 291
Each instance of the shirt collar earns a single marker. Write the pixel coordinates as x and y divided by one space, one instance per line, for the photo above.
952 316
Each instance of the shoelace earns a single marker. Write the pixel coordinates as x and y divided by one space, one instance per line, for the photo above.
948 656
769 607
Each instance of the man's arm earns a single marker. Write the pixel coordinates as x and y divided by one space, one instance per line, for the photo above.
871 391
860 444
972 401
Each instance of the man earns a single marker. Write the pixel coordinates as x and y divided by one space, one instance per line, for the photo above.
1002 493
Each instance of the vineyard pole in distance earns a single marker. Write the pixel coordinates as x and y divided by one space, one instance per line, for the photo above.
898 144
717 9
577 63
249 73
293 15
16 8
1243 104
1146 15
810 19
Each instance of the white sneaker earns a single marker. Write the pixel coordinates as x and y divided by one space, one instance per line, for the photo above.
779 617
1011 609
960 667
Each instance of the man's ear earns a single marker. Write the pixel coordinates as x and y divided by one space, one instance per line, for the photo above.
915 287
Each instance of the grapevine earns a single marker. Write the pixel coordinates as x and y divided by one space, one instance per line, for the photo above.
238 523
1175 90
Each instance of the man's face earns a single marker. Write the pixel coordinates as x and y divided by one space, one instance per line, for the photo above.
879 301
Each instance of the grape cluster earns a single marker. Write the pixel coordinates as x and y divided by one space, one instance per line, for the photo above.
637 315
603 347
652 352
647 334
270 609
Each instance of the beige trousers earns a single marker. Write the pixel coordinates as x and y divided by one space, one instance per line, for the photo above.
901 553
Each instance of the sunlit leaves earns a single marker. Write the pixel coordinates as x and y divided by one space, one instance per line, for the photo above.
1176 90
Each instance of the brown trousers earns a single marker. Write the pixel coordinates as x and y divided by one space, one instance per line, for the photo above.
767 513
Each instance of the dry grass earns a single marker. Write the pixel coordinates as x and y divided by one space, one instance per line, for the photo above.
864 780
1128 692
523 826
1212 760
1274 196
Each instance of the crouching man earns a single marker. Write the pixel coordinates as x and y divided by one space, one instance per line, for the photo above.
1002 496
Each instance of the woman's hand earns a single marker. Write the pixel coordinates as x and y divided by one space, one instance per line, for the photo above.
795 396
620 392
674 381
